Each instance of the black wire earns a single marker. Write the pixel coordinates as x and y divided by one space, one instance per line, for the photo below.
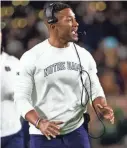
89 96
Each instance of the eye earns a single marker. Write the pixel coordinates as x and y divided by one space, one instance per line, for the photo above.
70 20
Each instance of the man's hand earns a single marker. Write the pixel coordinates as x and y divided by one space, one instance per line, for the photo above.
50 128
102 107
106 112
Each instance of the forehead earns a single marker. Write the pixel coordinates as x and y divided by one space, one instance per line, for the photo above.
66 13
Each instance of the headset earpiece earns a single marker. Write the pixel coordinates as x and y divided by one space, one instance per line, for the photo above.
50 14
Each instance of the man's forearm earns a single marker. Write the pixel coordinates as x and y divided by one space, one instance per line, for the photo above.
104 109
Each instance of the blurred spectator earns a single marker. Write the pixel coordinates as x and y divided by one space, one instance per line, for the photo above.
107 80
32 42
110 56
14 47
110 47
10 125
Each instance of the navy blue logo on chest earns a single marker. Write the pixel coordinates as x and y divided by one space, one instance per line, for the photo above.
7 68
61 66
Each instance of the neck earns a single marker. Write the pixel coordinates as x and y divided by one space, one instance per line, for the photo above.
58 42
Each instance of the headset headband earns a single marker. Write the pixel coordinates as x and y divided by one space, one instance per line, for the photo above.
50 14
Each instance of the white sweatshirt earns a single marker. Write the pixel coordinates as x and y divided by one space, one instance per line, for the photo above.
49 82
9 119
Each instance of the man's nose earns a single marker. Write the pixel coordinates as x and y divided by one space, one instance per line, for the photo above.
75 24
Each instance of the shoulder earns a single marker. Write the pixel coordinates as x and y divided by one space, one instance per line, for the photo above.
9 59
39 48
14 59
86 57
34 53
83 52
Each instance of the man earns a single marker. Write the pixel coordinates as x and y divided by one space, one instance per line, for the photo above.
48 92
10 128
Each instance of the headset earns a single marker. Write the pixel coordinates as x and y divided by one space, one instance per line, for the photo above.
51 19
49 12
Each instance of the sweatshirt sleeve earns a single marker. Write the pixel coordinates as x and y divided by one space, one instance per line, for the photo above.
24 85
96 88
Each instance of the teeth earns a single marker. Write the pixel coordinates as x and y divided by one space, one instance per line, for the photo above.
73 32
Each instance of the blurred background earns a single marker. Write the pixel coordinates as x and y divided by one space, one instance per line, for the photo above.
105 27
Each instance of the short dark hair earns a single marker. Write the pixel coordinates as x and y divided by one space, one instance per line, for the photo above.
57 7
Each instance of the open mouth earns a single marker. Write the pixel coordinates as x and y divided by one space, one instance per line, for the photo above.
74 33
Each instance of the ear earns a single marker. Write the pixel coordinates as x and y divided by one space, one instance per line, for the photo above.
52 26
